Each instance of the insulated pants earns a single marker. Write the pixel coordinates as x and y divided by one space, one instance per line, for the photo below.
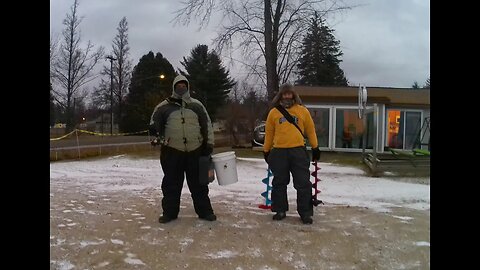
282 162
175 165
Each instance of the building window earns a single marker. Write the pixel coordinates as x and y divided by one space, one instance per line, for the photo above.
321 118
403 128
350 129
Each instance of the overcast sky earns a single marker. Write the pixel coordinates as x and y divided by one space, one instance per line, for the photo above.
385 42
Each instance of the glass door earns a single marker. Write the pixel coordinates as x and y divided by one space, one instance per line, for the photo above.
321 118
403 128
349 129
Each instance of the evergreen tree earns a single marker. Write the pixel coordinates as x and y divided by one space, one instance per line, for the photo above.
427 83
209 80
415 85
319 60
146 90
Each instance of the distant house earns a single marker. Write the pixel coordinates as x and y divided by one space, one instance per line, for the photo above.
57 130
395 117
60 125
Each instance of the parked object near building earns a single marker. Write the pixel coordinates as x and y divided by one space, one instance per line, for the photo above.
259 134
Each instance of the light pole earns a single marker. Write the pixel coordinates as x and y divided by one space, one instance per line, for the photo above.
74 119
111 58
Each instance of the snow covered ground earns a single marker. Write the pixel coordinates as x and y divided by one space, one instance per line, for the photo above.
103 209
339 185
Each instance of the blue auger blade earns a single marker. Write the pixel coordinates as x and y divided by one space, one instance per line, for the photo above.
265 180
269 188
265 194
269 173
268 201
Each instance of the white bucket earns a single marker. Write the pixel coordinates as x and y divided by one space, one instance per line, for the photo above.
225 168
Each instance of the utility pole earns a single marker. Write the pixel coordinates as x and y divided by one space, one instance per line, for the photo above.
111 58
74 119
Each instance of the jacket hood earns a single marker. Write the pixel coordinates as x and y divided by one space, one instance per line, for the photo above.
177 79
286 88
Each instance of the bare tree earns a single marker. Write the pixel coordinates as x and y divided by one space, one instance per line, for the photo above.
101 95
119 72
53 51
73 67
267 32
122 66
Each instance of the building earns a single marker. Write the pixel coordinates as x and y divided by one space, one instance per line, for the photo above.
394 117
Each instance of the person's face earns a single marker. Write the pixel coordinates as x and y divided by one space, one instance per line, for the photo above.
181 88
287 95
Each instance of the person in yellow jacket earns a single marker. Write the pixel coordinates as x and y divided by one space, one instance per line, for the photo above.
285 152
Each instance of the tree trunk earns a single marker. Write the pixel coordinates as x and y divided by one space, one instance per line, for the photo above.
270 52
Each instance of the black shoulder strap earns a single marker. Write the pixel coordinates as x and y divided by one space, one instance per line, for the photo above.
174 100
289 117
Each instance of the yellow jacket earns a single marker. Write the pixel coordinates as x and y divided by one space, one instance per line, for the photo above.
280 133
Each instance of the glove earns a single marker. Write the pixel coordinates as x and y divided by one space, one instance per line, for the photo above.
265 156
155 141
207 149
315 154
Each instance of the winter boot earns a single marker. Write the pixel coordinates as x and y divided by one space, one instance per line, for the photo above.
210 217
165 219
306 219
279 216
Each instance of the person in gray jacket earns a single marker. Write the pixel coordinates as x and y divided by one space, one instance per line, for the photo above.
184 131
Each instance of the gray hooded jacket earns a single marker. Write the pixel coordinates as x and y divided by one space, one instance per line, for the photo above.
182 122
